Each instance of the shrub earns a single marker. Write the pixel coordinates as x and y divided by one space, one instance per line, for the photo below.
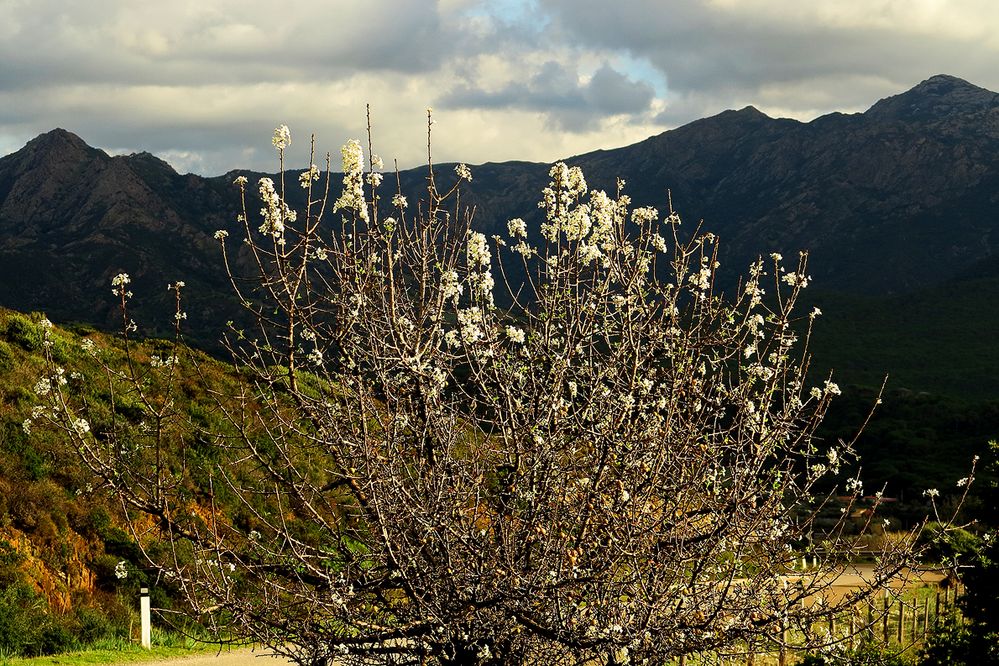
607 461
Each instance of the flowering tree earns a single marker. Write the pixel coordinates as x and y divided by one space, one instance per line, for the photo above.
607 460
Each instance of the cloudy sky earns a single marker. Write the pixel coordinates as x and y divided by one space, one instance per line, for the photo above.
201 83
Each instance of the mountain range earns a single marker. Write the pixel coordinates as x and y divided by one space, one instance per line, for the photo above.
896 205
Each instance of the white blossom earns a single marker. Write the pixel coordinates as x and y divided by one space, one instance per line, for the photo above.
352 197
309 176
517 228
282 137
515 334
451 288
478 250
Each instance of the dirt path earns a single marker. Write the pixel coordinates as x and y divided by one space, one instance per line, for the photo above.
245 657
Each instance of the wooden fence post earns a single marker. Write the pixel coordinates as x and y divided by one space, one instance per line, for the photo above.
900 632
884 620
870 618
782 656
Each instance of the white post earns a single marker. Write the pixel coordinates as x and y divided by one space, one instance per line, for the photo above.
144 614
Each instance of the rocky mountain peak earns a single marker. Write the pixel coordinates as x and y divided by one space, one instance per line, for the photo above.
58 141
939 97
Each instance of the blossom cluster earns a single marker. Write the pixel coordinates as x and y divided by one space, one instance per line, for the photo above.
352 197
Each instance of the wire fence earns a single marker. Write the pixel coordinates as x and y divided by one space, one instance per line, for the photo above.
894 622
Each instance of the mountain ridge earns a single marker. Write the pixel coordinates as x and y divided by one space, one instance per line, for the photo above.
897 199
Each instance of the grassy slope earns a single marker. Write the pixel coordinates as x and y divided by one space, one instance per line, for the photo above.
61 537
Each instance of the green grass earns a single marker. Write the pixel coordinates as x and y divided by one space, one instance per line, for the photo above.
120 651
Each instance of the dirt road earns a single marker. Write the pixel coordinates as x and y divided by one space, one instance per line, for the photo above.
227 658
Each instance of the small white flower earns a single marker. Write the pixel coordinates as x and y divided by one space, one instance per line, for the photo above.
464 173
399 201
659 243
931 493
961 483
282 137
517 228
451 288
240 180
120 280
478 250
221 234
306 178
776 256
81 426
515 334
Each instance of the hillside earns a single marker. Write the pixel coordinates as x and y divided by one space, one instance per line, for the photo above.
70 568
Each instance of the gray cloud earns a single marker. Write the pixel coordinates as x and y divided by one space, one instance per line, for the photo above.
202 82
725 54
557 91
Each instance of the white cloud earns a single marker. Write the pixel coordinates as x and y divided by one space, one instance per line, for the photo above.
202 82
